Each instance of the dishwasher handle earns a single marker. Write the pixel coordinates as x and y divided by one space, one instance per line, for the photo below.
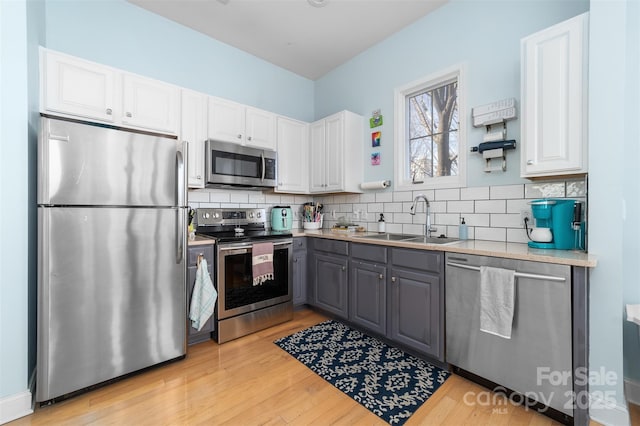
517 274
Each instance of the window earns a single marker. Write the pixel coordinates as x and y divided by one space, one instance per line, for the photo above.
430 132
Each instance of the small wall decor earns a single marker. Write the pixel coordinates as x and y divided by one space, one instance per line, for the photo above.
375 138
376 119
375 158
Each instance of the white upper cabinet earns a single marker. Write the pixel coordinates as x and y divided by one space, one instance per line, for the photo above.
335 153
150 104
237 123
554 87
193 130
78 88
293 154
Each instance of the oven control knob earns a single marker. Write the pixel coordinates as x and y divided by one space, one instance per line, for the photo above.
206 215
251 215
259 215
216 215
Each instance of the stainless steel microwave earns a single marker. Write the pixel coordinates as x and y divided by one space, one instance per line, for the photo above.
237 165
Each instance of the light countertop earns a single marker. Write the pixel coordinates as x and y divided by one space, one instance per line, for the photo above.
478 247
201 240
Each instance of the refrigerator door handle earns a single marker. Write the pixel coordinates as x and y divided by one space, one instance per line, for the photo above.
181 202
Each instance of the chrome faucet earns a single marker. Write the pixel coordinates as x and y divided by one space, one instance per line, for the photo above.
427 226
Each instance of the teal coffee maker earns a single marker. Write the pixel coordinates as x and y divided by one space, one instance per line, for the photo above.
559 224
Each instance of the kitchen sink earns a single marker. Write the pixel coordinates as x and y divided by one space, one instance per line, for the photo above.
411 238
433 240
389 237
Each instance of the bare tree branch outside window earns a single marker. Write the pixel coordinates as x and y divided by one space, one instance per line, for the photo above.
433 132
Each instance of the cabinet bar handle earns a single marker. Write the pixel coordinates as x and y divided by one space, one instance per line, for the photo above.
128 114
393 279
380 276
518 274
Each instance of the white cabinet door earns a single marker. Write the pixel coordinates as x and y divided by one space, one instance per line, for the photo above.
317 156
194 132
335 153
76 87
554 100
293 148
150 104
260 128
226 121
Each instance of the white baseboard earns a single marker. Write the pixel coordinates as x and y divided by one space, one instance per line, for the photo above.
15 406
632 391
606 413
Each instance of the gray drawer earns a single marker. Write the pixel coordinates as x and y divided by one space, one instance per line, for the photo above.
299 244
369 252
206 250
331 246
418 259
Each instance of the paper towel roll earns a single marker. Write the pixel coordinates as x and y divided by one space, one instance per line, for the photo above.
378 184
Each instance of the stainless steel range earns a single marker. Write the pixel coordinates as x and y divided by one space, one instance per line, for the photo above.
242 307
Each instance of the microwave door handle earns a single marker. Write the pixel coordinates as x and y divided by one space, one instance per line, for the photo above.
263 166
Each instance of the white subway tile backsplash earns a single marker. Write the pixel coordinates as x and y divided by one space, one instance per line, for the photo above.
429 193
516 206
477 219
368 198
394 228
491 234
460 206
239 197
342 208
475 193
402 196
392 207
447 194
219 197
505 220
437 207
198 196
375 207
544 190
402 218
490 206
506 192
447 219
384 197
415 229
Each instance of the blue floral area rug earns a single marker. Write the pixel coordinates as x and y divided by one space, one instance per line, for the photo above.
387 381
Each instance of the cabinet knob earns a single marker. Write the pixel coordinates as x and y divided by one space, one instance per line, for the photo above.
249 138
529 162
344 268
295 260
380 276
128 114
109 111
239 136
393 279
199 177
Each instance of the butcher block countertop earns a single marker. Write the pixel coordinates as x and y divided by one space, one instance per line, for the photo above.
478 247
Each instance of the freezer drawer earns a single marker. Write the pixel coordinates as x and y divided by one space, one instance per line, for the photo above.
112 296
541 339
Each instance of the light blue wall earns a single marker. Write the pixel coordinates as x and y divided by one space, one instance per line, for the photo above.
483 35
14 178
613 193
124 36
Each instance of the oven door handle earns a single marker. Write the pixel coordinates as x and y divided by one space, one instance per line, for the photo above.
247 247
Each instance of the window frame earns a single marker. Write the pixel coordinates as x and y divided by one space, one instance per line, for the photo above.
401 123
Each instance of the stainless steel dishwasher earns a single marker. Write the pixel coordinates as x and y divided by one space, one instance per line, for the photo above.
540 348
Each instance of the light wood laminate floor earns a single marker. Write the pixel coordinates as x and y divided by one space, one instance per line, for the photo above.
251 381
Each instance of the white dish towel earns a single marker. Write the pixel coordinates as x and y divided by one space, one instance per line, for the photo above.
203 298
497 295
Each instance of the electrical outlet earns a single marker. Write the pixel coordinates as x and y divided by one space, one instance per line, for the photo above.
526 214
364 216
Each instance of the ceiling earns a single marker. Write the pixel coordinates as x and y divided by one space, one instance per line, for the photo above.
305 39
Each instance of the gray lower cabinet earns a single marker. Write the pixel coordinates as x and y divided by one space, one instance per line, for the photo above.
299 271
195 336
417 300
329 275
368 287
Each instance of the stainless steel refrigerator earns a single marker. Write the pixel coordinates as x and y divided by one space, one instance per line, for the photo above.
112 217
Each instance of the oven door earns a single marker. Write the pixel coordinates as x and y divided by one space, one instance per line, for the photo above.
236 292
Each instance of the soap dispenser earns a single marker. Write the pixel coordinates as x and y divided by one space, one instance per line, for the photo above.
381 224
462 230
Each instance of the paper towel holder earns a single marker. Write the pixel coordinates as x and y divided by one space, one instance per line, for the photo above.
380 184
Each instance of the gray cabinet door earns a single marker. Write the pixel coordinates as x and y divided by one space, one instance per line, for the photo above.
368 296
330 283
415 311
204 334
299 277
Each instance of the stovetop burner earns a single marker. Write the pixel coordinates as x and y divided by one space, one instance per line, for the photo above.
222 224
